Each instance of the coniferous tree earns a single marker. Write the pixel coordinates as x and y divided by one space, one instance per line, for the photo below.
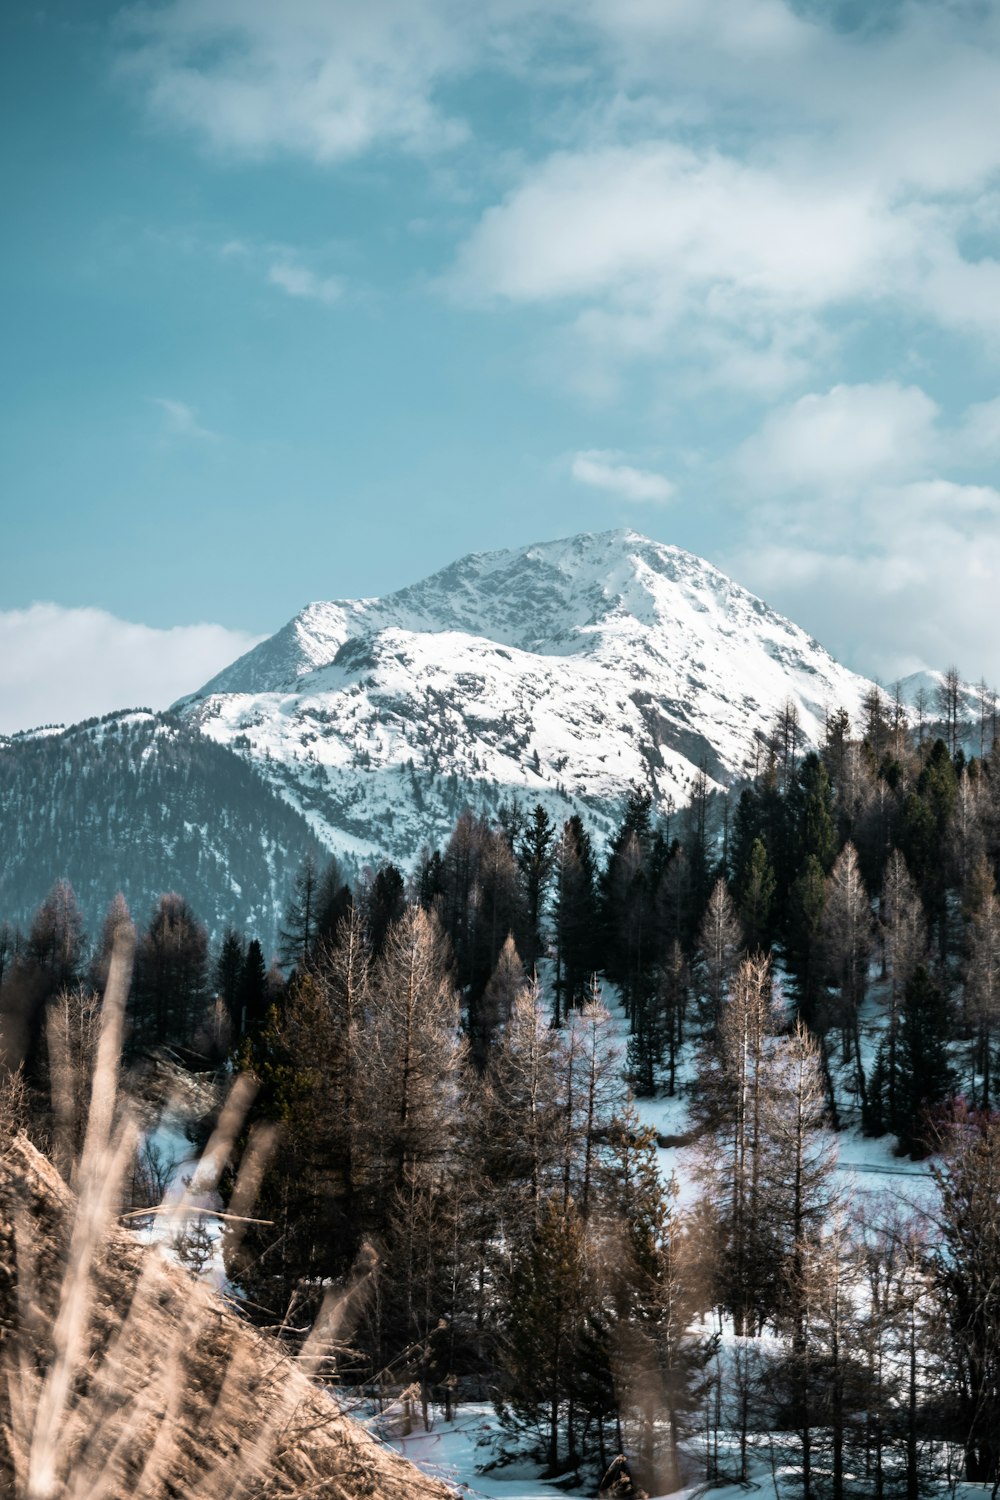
252 996
385 904
904 944
507 982
719 942
575 916
925 1077
546 1297
228 972
847 937
170 979
803 939
982 989
967 1272
413 1049
535 858
652 1300
755 892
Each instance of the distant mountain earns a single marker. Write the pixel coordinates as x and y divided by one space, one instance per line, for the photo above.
143 803
559 673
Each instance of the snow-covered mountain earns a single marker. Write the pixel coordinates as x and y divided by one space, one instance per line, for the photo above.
559 673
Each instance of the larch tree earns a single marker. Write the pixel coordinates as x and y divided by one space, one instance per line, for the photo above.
967 1270
982 990
414 1049
847 938
734 1162
719 941
494 1010
524 1110
903 930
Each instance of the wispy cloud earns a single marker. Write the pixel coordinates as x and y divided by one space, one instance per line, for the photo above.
325 81
181 420
60 665
298 281
604 469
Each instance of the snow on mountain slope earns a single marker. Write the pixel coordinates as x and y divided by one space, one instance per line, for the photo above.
559 673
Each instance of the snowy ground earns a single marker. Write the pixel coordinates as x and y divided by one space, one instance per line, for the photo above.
453 1452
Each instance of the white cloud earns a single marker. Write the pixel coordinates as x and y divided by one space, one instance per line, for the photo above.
299 281
603 469
790 168
325 79
182 420
59 665
853 434
855 528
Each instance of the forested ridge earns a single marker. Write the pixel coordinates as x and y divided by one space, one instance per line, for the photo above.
143 803
454 1071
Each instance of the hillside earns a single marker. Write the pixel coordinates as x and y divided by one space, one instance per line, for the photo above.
142 803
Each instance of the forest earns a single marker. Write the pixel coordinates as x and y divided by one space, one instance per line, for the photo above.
455 1076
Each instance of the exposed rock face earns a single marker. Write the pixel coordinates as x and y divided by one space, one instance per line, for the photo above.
170 1394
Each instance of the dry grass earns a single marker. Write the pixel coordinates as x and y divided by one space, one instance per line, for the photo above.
120 1374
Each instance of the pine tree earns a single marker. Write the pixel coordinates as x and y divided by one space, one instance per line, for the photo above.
252 992
535 858
170 982
575 916
736 1096
652 1300
755 895
925 1078
803 942
385 904
816 835
522 1110
546 1297
508 981
904 938
228 972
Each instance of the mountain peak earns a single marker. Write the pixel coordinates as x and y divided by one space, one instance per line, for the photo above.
561 672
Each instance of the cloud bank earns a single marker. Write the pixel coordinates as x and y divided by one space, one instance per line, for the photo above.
60 665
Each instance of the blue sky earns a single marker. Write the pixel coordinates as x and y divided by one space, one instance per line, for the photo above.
305 300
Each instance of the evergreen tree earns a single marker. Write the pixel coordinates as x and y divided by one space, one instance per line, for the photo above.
535 858
298 932
546 1297
575 916
170 979
385 905
252 994
982 989
925 1077
228 972
755 894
